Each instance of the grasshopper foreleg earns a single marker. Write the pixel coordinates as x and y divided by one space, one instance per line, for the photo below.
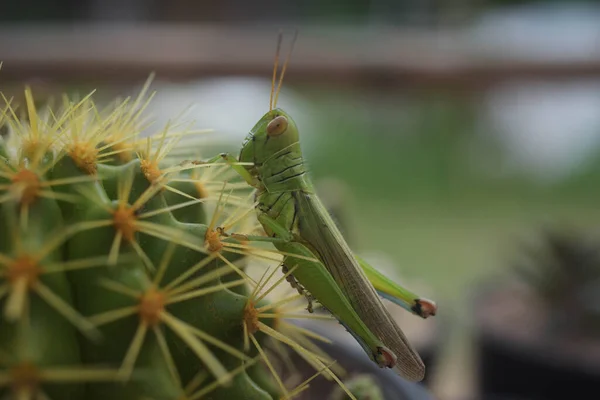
237 167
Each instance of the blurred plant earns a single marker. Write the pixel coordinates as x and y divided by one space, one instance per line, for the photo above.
564 270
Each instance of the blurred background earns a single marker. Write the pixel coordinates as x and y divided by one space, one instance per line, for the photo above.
457 142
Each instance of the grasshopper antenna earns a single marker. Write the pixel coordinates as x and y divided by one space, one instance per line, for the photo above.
275 65
285 64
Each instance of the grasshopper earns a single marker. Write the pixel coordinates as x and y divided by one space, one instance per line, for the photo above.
297 223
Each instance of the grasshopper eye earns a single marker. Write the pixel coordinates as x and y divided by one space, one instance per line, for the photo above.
277 126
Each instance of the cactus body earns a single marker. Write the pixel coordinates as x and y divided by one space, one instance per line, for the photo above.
112 286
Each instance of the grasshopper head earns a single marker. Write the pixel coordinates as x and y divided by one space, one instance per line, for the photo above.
274 132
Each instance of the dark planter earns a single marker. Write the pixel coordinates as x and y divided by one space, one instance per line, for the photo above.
518 356
352 358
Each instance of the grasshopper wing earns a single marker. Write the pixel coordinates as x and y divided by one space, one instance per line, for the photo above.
318 231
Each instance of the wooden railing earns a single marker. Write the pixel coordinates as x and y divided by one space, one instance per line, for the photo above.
342 54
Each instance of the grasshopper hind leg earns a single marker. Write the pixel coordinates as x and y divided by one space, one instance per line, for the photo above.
424 308
301 290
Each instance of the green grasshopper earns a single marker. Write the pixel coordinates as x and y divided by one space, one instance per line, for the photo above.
298 224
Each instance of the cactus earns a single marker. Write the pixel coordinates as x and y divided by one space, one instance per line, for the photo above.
363 386
116 283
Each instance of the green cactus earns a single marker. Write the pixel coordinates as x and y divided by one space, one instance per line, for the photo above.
116 283
363 386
